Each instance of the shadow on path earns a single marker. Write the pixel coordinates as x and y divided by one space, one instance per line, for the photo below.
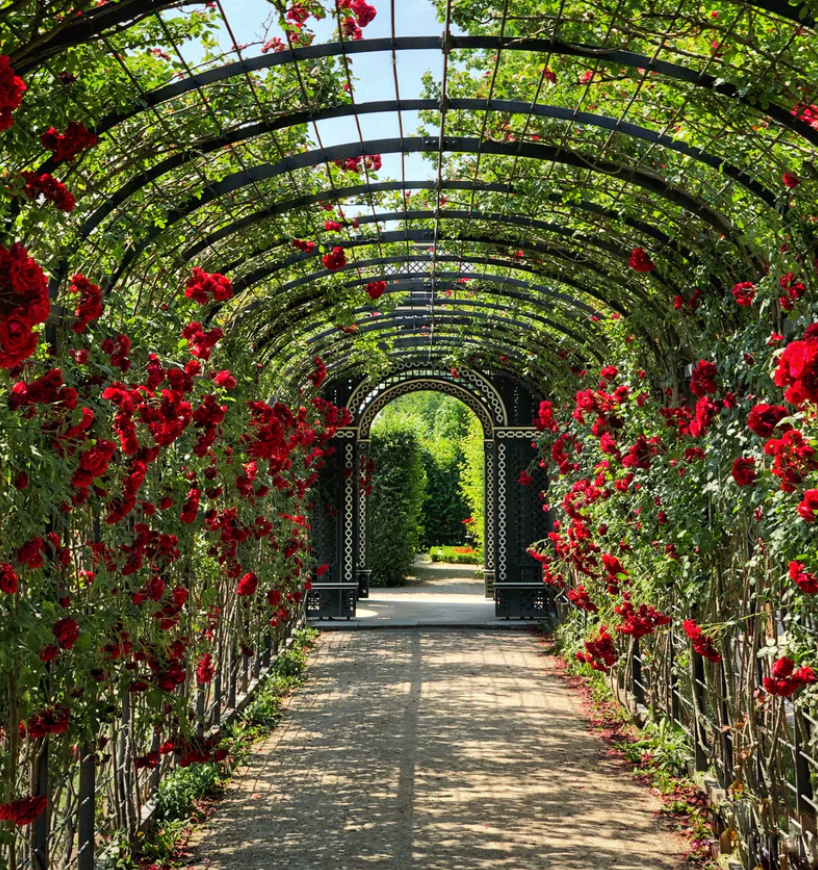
434 751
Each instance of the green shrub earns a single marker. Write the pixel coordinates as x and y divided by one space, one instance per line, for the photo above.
455 555
396 503
472 483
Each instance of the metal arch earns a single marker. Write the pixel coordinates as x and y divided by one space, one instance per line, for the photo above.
402 312
421 184
499 279
439 353
243 134
514 220
504 328
630 59
347 363
452 144
367 391
472 401
451 258
562 280
251 279
93 23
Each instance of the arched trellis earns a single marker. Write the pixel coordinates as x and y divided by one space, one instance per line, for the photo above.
400 287
247 133
451 144
505 408
365 190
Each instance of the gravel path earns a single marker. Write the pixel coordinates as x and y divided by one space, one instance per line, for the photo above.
434 750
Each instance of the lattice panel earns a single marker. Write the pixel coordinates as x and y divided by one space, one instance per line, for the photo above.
489 508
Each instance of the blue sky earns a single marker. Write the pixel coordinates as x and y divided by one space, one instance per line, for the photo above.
375 79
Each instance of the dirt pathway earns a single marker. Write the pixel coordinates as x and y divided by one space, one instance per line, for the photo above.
434 750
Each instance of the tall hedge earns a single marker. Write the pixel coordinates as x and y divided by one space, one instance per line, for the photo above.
446 507
472 483
396 503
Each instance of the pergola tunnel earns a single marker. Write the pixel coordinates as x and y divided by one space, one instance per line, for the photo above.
233 235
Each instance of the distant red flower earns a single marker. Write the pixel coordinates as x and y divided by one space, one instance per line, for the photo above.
784 680
67 146
704 378
205 670
744 293
306 246
201 286
67 632
247 585
12 89
318 374
375 289
23 811
525 478
9 581
744 472
640 261
764 419
335 260
809 505
790 180
804 580
702 643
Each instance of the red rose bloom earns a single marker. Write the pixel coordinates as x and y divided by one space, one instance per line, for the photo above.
205 671
66 631
66 146
744 293
744 472
764 419
247 585
201 286
798 371
704 378
790 180
809 505
804 580
24 810
335 260
12 89
9 581
306 246
640 261
375 289
31 553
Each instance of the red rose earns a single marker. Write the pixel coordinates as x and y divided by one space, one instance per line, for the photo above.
17 341
335 260
640 261
31 553
66 631
809 505
49 653
764 419
247 585
744 294
24 810
790 180
305 246
205 671
375 289
704 378
9 581
798 371
804 580
224 379
744 472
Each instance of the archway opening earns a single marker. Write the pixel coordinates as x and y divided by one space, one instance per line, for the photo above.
426 509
